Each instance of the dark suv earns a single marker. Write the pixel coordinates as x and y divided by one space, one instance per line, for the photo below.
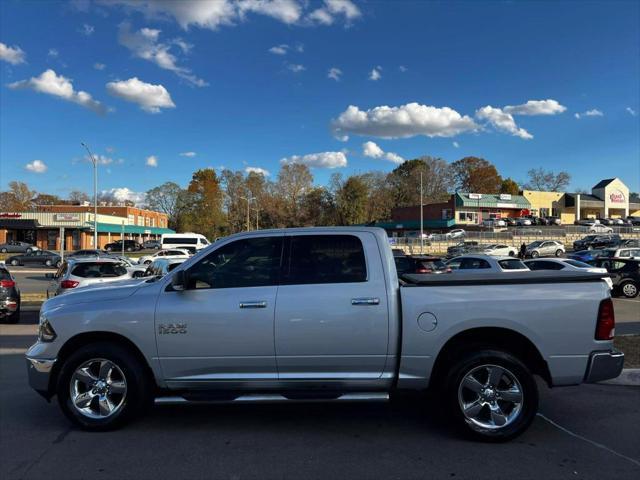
420 264
129 246
597 241
9 297
625 274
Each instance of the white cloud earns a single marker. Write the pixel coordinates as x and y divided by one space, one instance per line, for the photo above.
594 112
53 53
503 121
332 9
146 44
372 150
456 144
37 166
151 161
188 154
101 159
334 73
536 107
151 98
402 122
631 111
296 68
319 160
14 55
51 83
122 194
87 29
99 66
258 170
402 68
279 49
375 74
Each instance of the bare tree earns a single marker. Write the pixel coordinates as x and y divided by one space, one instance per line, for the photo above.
548 181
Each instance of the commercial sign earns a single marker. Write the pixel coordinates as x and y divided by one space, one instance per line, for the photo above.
616 196
475 196
10 215
507 205
505 196
66 217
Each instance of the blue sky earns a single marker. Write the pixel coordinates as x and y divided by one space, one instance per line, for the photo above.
451 79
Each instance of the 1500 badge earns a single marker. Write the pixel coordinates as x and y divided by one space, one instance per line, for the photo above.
164 329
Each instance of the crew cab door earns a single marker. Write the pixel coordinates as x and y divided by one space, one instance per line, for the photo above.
331 320
220 327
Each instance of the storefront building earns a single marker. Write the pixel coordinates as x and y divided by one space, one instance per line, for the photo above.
44 226
474 208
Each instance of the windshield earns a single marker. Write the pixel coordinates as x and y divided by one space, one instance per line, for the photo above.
534 244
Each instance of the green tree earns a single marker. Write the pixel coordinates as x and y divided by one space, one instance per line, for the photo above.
203 205
351 201
475 175
165 198
510 186
404 181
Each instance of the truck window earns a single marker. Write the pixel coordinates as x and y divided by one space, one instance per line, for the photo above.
251 262
325 259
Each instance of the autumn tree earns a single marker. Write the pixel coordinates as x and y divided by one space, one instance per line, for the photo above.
46 199
19 197
476 175
293 181
510 186
404 181
203 205
547 181
77 197
351 201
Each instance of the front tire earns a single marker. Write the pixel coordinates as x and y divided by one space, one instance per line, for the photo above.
559 253
4 250
534 254
492 395
15 263
629 289
102 386
48 263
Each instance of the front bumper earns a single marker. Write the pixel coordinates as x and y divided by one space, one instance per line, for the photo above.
39 372
604 366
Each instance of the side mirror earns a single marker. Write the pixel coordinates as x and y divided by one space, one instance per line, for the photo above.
49 275
179 281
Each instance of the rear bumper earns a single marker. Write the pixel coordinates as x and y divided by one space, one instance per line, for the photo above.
9 306
604 366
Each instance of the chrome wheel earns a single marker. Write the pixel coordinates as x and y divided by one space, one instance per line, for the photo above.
490 397
98 388
629 290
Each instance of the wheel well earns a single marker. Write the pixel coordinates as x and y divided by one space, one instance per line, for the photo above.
490 337
82 339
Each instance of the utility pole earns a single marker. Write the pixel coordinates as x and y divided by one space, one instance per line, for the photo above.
248 199
257 217
95 195
421 219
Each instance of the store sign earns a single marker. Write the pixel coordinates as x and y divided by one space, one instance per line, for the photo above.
616 196
505 196
475 196
66 217
10 215
507 205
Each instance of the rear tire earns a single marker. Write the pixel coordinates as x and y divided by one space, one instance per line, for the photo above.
492 395
103 367
48 263
534 254
29 250
559 253
4 250
15 263
629 289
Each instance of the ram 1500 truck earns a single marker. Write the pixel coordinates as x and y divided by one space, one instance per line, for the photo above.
320 314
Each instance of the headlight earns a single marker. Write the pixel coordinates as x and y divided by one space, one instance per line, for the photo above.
46 333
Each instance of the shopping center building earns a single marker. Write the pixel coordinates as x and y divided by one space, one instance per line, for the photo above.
609 198
43 225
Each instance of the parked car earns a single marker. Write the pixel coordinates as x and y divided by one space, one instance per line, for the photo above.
493 223
191 242
523 222
323 317
544 248
129 246
172 253
587 222
455 233
161 266
509 221
398 252
9 297
633 253
17 247
554 221
79 272
596 241
500 250
462 248
586 256
420 264
38 257
152 245
600 228
416 234
90 252
486 264
566 265
629 243
625 275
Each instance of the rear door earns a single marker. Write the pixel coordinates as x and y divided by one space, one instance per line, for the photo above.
331 320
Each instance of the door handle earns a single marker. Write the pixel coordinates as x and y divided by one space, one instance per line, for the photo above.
365 301
259 304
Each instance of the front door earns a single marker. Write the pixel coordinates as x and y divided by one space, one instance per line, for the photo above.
220 328
331 315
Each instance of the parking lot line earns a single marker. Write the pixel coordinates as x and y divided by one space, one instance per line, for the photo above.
585 439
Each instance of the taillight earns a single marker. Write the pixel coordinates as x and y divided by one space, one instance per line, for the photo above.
606 326
69 284
424 270
7 283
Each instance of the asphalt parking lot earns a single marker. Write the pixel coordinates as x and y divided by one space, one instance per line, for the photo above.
587 432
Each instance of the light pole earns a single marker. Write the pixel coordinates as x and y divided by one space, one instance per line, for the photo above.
257 217
248 199
421 219
95 195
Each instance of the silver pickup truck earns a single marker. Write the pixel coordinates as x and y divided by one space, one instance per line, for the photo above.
320 314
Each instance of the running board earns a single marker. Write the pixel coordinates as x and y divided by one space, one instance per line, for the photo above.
277 398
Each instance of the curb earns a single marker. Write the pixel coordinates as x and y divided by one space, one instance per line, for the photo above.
628 377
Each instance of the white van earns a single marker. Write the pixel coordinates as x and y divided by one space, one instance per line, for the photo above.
187 241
